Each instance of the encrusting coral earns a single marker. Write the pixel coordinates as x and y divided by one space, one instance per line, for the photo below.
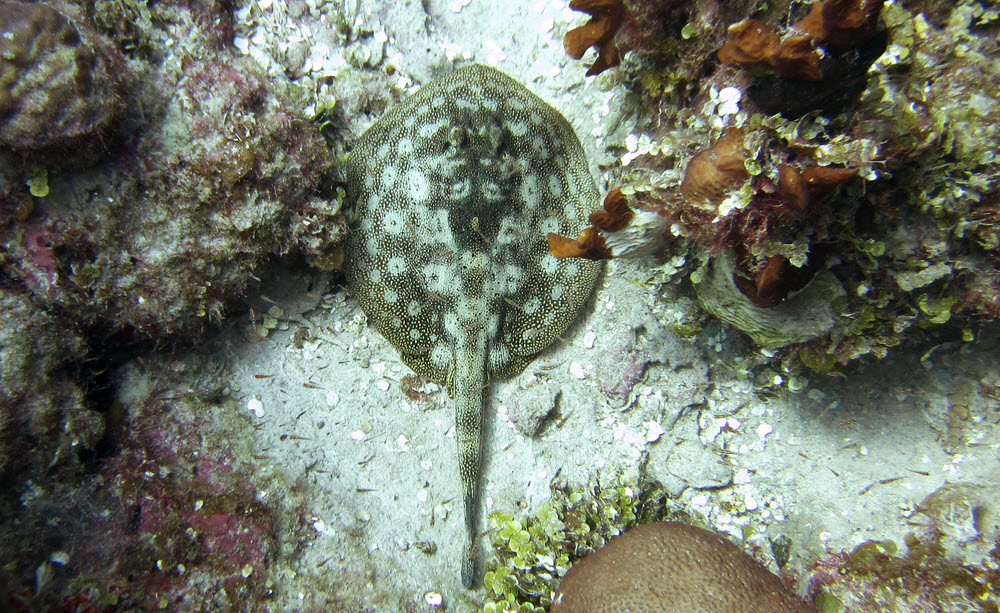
599 33
672 567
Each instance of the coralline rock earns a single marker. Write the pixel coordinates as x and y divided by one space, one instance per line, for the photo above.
230 175
44 418
58 83
670 567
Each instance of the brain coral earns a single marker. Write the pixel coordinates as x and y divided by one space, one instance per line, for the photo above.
58 88
671 567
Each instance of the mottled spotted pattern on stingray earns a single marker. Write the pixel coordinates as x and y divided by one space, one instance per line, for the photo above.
456 189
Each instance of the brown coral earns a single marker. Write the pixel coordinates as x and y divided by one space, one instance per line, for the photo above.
836 25
841 24
606 17
712 173
670 567
591 243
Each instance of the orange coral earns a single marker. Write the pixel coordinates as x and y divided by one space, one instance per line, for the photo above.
616 213
715 171
842 24
798 188
754 43
750 42
589 245
835 24
606 17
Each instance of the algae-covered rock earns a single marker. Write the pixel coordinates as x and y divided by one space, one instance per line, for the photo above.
803 316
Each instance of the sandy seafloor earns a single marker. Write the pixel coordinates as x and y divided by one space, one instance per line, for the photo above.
845 460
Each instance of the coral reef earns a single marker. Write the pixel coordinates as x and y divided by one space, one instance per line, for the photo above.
672 567
170 234
59 85
892 189
173 519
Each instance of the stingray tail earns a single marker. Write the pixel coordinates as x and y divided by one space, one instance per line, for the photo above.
470 382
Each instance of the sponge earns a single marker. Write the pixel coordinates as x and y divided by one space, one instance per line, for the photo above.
670 567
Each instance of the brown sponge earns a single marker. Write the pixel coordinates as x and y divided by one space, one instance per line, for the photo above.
670 567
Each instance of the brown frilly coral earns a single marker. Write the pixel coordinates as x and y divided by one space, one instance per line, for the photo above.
714 172
820 63
591 244
606 17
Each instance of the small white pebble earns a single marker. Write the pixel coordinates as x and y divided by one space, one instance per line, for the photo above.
381 37
700 500
653 431
423 494
764 429
403 442
256 406
433 599
358 435
426 464
588 339
825 537
383 385
59 557
319 526
332 398
733 423
577 371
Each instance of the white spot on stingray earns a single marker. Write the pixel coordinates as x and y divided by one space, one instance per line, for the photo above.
517 128
390 296
539 146
512 278
371 246
555 186
375 275
441 356
451 324
531 305
428 130
529 191
388 175
404 147
382 151
393 222
507 233
413 308
516 103
557 291
550 224
549 264
572 269
491 191
417 185
396 265
459 190
373 202
415 334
